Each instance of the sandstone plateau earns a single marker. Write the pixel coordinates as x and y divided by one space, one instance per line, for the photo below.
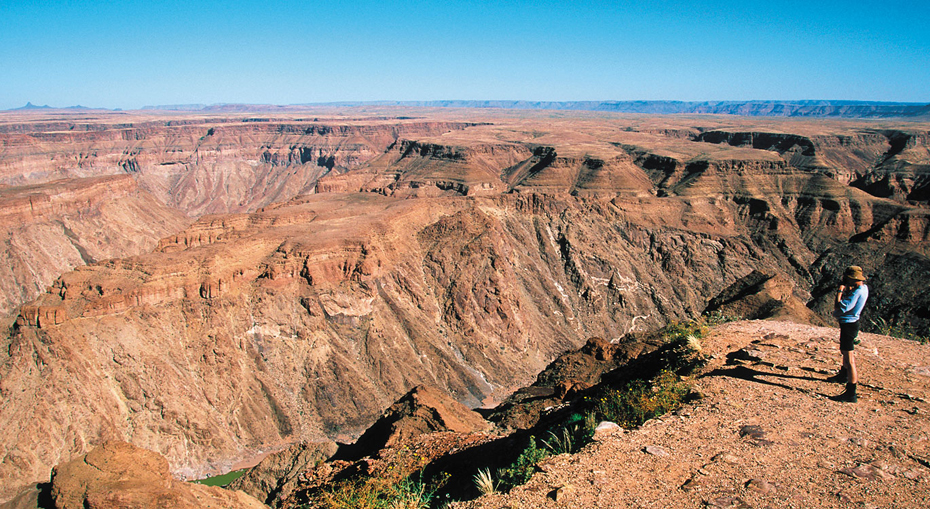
330 263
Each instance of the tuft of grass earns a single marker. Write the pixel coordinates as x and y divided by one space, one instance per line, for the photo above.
560 443
485 482
718 317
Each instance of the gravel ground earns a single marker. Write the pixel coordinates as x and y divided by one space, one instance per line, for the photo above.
765 433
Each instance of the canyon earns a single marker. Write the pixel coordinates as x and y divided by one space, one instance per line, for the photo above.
214 287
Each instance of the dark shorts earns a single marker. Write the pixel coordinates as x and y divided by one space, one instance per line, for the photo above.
848 334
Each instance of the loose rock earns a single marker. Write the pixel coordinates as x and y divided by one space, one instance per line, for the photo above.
655 450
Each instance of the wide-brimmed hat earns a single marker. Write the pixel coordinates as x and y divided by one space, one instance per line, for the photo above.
854 272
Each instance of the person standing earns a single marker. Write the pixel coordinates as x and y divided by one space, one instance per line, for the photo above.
850 299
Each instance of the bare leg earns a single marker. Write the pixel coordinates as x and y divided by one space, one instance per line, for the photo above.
849 362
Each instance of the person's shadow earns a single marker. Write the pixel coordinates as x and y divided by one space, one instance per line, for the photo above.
752 375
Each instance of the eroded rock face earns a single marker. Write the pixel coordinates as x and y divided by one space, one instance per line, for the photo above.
199 164
52 228
76 189
283 317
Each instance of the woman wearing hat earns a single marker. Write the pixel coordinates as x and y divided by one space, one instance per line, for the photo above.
850 299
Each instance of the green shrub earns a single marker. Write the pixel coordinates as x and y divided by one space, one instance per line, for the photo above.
638 401
520 471
897 330
718 317
678 330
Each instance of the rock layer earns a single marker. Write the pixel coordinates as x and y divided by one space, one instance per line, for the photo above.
52 228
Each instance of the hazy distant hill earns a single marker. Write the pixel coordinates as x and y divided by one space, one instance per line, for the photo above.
816 109
845 109
29 106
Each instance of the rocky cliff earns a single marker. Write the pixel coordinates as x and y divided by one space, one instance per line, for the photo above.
465 258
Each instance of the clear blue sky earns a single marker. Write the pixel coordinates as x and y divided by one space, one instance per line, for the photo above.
128 54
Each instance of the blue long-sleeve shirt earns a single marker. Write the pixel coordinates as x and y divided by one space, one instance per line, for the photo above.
849 307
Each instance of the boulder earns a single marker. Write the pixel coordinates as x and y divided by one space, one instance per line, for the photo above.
119 475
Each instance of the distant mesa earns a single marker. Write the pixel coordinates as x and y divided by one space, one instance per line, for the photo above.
764 108
176 107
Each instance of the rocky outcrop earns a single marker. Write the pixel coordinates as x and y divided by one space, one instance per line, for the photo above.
759 296
422 410
278 475
565 378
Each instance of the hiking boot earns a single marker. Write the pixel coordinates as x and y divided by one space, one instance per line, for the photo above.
848 396
840 377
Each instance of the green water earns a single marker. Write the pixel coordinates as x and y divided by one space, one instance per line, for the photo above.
223 479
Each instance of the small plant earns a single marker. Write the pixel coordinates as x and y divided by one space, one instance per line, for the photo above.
638 401
718 317
560 443
679 330
485 482
520 471
590 423
572 435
